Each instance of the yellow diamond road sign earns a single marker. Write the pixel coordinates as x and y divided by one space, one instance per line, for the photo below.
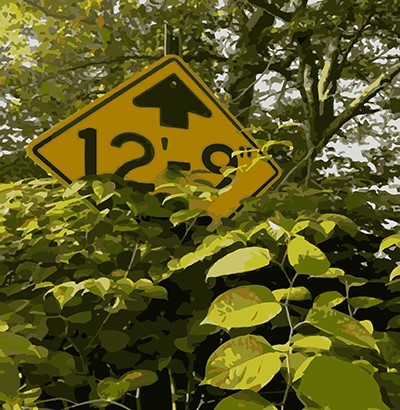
163 117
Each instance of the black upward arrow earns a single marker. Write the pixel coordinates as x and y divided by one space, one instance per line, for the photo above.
175 100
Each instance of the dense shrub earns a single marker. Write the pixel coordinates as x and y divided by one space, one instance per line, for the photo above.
108 297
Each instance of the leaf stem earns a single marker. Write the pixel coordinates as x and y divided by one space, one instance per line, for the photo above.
289 382
137 400
115 403
189 388
173 389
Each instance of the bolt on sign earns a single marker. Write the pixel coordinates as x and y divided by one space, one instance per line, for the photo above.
162 117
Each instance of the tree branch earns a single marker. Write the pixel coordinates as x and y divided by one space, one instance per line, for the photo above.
47 12
357 104
272 9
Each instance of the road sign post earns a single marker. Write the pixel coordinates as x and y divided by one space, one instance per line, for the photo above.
172 42
161 117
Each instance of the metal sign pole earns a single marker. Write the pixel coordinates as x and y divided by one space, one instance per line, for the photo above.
171 41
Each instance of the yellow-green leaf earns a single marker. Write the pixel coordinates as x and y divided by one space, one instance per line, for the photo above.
306 258
245 400
311 342
241 260
244 306
296 293
395 273
335 384
243 363
389 242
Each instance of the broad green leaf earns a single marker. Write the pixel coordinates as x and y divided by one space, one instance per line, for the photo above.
244 306
156 292
185 215
9 381
63 362
389 384
74 188
245 362
65 292
306 258
241 260
210 246
389 242
30 396
343 222
333 273
327 226
113 340
343 327
311 342
329 382
273 230
80 317
103 190
245 400
364 302
328 299
111 389
300 226
139 378
299 373
3 326
98 287
395 273
296 293
12 344
394 322
351 280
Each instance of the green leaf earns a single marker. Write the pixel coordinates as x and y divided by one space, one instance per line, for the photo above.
296 293
328 299
299 373
140 378
245 362
63 362
156 292
395 273
3 326
210 246
351 280
343 327
81 317
333 273
389 242
185 215
12 344
300 226
103 190
112 389
113 340
245 400
311 342
364 302
98 287
241 260
343 222
65 292
306 258
244 306
394 322
329 382
9 381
